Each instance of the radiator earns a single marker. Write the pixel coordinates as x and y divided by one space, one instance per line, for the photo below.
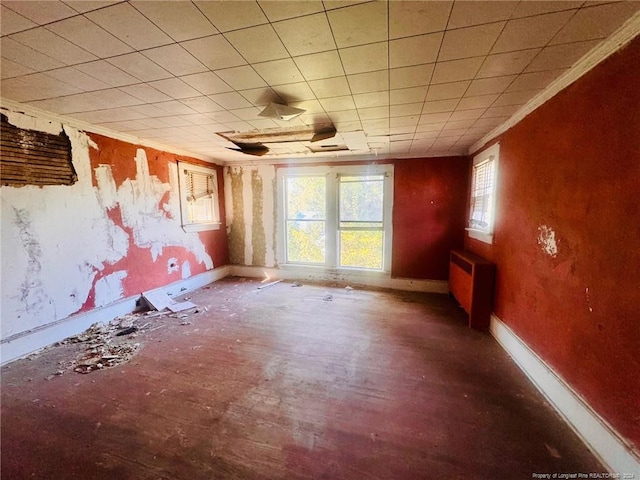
471 280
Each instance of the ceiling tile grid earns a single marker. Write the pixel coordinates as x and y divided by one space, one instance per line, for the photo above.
408 78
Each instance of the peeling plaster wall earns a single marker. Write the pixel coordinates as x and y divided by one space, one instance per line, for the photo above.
115 233
567 237
251 217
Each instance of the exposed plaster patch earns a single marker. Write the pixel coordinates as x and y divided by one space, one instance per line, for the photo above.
172 265
258 241
233 184
186 270
547 240
108 289
586 292
247 200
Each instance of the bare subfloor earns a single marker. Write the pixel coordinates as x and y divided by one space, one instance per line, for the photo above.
280 383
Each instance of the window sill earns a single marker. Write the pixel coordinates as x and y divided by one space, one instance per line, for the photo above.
201 227
339 271
480 235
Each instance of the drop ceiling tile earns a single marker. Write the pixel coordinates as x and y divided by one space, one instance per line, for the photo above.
180 20
595 22
175 60
41 12
454 125
175 107
230 100
12 22
139 66
249 113
295 92
175 88
489 122
107 115
515 98
440 106
26 56
257 44
373 99
330 87
404 121
83 6
414 50
305 35
560 56
452 132
115 98
202 104
428 130
470 41
373 15
414 18
11 69
78 79
439 118
279 72
365 58
374 113
309 106
130 26
445 91
81 31
320 65
413 109
52 45
466 14
145 93
223 117
263 123
227 16
343 117
407 77
506 63
534 80
369 82
82 102
485 86
505 111
480 101
207 83
337 104
400 147
401 133
107 73
215 52
263 96
456 70
531 32
283 10
538 7
241 78
37 86
407 95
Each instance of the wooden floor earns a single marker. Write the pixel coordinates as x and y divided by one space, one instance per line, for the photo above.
282 384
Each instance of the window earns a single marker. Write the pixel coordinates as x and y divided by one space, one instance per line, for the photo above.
336 217
483 194
198 198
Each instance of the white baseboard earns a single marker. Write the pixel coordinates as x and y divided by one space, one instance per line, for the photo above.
351 278
27 342
603 441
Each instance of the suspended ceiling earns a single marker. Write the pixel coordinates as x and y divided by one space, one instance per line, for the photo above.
397 79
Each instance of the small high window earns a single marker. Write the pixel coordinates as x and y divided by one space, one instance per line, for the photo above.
198 197
483 194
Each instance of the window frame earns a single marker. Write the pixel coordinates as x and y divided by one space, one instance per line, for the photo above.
332 230
491 154
183 168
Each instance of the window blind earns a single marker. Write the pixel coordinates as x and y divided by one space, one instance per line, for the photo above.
482 194
200 185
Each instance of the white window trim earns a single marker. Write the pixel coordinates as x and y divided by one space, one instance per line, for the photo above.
492 152
182 180
331 262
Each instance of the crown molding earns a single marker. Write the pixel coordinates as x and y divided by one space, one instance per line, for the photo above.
620 38
88 127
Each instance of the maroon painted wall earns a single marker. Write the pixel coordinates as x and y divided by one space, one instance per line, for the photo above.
429 209
573 165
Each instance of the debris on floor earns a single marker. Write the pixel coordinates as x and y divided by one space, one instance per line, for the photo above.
160 301
348 288
271 284
296 284
328 298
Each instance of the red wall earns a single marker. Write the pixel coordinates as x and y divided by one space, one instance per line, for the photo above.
429 209
573 165
143 271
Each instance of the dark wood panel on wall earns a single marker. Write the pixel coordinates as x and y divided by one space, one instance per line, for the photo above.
29 157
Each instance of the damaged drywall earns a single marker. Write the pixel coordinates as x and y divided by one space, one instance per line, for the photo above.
251 218
68 249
